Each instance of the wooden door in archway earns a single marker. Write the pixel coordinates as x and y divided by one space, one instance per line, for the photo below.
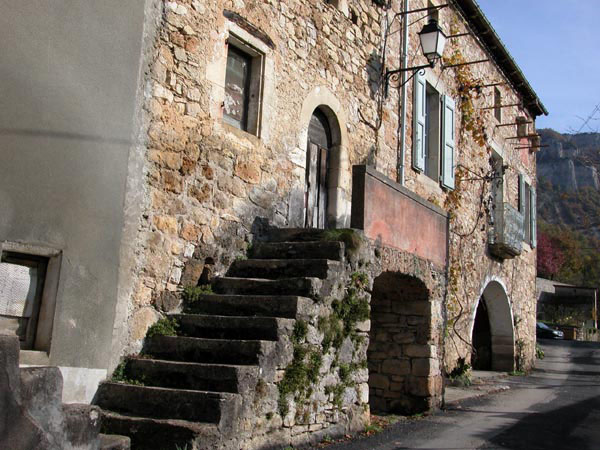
318 147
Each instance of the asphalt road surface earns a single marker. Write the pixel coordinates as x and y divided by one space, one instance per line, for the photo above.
556 407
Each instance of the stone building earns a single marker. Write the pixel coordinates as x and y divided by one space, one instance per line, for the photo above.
154 145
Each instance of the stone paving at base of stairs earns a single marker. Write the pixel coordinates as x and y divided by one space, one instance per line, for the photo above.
483 383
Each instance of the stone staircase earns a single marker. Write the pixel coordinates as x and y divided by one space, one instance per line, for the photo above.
206 387
32 414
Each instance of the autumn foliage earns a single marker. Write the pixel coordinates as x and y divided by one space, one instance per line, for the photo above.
550 257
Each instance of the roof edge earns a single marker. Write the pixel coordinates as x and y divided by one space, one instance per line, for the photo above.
500 54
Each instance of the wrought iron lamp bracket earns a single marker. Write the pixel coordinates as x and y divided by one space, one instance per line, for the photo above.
393 76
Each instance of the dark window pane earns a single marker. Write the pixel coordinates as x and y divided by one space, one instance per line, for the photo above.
497 105
237 81
527 221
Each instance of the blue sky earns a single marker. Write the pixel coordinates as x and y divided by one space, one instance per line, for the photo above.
557 45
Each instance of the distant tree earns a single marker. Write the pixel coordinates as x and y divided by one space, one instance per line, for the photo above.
550 257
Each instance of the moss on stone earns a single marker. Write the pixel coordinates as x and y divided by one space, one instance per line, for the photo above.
351 239
300 375
164 327
300 331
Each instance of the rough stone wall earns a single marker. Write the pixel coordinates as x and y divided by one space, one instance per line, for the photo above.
322 387
471 267
208 183
406 337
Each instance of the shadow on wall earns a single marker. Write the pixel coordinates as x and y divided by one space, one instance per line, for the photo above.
374 71
63 135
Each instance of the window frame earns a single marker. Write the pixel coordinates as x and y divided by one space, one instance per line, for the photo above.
48 295
254 84
433 133
434 128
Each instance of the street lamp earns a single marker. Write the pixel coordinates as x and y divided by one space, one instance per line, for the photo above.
433 41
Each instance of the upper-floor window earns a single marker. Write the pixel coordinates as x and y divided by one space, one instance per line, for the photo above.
237 88
433 133
243 85
497 104
527 207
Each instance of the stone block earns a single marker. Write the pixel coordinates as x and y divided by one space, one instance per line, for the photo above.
167 301
396 367
141 321
404 338
166 224
425 386
171 181
418 308
364 326
190 231
248 171
379 381
425 367
397 386
363 393
420 351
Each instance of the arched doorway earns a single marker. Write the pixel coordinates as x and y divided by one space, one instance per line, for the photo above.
318 151
481 356
404 375
493 331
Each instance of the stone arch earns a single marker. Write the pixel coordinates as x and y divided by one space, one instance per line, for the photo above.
501 327
339 180
404 374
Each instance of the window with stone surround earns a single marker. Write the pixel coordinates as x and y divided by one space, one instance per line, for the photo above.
243 86
433 133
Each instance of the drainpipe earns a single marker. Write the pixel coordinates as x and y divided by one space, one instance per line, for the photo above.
403 64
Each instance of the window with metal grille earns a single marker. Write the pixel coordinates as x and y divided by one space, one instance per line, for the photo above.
22 279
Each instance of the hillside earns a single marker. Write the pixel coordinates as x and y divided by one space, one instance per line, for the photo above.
568 181
569 207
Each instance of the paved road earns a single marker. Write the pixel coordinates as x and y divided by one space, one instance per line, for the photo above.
556 407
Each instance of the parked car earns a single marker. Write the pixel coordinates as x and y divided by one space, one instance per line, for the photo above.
544 331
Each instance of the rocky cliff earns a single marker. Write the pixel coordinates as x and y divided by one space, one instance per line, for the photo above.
570 162
568 181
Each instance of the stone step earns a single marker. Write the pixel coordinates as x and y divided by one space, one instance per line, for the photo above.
114 442
286 306
164 434
294 235
41 397
232 327
82 424
332 250
302 286
164 403
273 269
214 351
192 376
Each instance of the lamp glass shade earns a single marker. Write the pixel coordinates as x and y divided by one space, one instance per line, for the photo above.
433 41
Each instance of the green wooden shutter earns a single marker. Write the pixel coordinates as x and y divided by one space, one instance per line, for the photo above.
533 218
522 195
419 99
448 164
